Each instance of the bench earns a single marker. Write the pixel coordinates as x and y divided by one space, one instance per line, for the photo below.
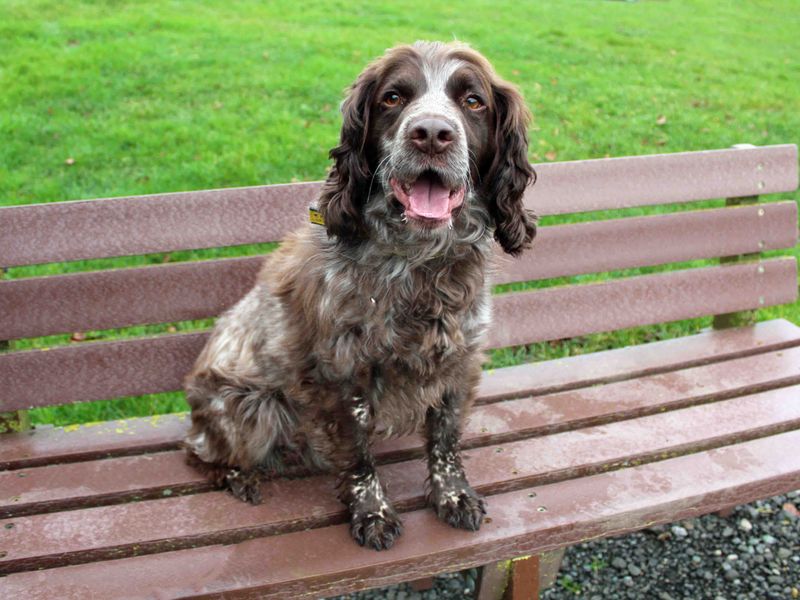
566 450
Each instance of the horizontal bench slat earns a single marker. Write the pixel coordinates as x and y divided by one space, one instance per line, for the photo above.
574 510
57 487
161 223
42 233
194 290
563 312
615 244
110 369
48 445
610 183
95 371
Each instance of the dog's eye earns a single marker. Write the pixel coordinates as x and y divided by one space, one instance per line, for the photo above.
391 99
472 102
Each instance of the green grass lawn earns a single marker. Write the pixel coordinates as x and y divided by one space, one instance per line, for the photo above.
109 98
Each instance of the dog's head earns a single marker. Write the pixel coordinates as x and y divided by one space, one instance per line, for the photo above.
430 130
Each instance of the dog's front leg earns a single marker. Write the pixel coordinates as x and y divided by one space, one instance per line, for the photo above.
374 522
454 501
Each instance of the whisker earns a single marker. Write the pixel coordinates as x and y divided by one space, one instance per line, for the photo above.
375 174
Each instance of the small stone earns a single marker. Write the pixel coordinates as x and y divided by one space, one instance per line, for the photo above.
745 525
768 539
731 557
618 563
696 560
727 532
777 579
664 596
634 570
731 575
678 531
784 553
790 510
628 580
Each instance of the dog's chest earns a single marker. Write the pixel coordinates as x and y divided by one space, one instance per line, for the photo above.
420 322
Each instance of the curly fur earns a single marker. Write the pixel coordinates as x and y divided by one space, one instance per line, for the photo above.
372 327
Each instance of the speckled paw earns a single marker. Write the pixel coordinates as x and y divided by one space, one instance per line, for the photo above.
375 531
244 486
463 509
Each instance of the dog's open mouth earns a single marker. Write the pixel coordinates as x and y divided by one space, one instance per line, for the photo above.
428 199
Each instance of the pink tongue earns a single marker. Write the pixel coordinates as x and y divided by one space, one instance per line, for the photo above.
430 199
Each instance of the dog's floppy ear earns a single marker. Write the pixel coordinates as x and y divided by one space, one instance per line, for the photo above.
343 193
511 173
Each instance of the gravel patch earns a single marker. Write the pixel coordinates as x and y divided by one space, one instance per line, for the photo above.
753 554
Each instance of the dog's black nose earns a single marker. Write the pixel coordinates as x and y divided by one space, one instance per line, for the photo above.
431 135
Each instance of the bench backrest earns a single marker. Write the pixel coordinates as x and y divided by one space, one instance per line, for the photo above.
118 298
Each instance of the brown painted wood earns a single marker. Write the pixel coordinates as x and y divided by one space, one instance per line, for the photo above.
613 244
48 445
515 419
193 290
96 371
92 483
610 183
43 233
563 312
324 561
52 445
421 585
122 297
47 540
524 579
160 223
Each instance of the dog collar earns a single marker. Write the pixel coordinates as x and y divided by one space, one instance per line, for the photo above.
315 216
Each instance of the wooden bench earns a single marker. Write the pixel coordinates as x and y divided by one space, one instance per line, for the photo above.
566 450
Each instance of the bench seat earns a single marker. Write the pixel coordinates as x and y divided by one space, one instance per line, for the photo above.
566 450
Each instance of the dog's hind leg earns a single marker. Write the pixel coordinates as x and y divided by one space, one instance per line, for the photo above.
236 426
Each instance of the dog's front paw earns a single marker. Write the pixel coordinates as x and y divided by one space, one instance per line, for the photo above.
462 508
376 530
246 486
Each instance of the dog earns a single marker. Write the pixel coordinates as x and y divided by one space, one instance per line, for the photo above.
372 326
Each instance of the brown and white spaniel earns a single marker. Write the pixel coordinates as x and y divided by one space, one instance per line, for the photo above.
372 326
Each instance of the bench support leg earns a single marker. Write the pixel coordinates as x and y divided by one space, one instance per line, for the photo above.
516 579
549 566
420 585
